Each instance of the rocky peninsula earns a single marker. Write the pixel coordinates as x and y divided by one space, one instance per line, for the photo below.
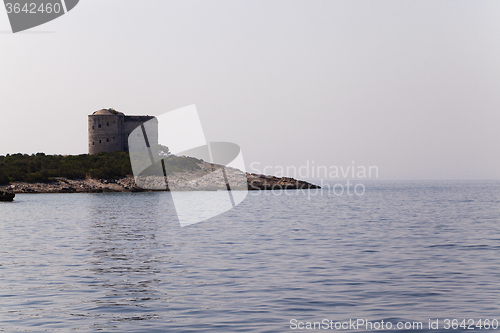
202 176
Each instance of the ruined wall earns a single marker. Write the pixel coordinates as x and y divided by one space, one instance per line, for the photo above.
131 123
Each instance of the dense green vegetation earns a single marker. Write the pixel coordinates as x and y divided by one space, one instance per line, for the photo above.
43 168
180 164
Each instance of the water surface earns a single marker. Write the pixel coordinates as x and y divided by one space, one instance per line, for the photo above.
404 251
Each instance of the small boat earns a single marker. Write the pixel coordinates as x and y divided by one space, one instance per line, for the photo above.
6 196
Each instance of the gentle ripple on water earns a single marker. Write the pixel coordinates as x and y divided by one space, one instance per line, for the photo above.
121 263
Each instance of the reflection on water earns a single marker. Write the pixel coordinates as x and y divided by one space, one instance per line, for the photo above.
125 260
121 262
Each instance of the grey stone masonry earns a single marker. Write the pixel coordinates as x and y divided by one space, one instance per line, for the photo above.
109 130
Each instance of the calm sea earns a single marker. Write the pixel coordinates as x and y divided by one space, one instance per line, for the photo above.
402 252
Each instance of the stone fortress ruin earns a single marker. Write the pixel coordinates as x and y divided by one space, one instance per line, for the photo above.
109 130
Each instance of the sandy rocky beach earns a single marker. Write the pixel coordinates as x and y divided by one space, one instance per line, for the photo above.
204 179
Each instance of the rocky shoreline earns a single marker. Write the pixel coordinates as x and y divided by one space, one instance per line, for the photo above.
127 184
183 173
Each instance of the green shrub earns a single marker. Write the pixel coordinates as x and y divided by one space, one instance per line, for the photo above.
43 168
4 179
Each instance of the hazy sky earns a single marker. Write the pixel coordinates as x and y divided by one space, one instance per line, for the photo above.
412 87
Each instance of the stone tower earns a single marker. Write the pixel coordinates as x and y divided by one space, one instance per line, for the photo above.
109 130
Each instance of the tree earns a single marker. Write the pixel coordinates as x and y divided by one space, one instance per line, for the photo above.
163 150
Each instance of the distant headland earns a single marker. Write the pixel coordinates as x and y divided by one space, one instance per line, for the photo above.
107 167
111 172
